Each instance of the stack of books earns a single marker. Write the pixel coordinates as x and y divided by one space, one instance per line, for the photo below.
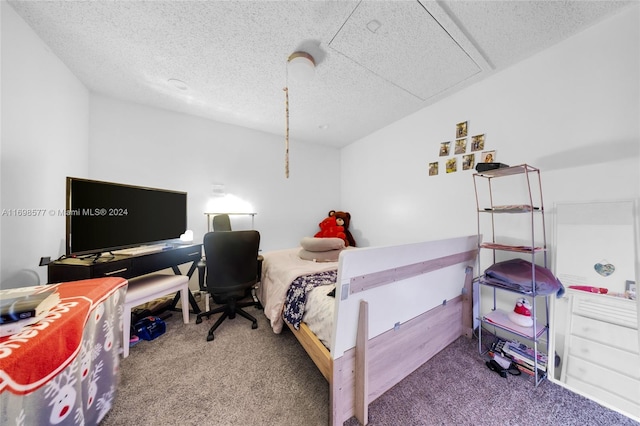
521 355
22 307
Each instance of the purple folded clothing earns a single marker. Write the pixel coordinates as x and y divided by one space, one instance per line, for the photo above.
516 274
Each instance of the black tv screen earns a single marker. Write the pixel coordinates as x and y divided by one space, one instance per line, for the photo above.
105 216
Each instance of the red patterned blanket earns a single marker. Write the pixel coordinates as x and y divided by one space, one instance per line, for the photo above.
33 357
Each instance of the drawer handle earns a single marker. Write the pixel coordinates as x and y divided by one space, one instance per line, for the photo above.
116 271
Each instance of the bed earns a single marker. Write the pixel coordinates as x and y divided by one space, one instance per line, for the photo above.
64 369
394 308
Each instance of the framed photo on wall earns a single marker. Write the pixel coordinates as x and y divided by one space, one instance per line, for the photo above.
445 148
452 165
488 157
433 168
461 146
468 161
477 143
461 130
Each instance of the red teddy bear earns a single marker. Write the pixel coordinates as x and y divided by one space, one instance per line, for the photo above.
330 229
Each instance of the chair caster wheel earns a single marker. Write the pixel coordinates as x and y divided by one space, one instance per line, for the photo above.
254 326
198 320
210 337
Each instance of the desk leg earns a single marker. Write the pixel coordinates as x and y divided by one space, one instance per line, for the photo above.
192 300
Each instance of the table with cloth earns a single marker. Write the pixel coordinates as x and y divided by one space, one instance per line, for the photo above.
63 369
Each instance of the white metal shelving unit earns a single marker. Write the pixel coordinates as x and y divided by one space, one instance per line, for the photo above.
502 194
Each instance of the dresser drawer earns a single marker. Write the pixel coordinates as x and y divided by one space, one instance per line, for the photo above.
614 359
600 395
608 380
615 310
609 334
120 268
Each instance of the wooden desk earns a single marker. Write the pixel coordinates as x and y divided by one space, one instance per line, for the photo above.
73 269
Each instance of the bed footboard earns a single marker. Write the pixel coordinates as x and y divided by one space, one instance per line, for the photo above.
382 367
396 307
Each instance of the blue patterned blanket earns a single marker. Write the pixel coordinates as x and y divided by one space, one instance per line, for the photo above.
297 294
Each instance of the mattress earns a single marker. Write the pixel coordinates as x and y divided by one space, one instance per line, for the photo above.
279 269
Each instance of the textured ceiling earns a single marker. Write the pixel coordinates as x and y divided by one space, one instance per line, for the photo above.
377 61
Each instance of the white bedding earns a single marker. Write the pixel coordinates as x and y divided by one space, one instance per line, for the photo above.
279 269
318 313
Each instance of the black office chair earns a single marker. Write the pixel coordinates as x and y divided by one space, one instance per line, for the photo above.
232 271
221 222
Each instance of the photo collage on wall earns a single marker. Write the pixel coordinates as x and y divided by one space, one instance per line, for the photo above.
462 150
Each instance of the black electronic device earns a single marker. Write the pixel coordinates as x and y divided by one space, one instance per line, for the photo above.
483 167
494 366
105 216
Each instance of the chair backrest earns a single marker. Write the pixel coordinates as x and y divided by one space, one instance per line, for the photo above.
221 222
232 262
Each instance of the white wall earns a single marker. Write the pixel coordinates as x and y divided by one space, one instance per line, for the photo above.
52 127
44 137
572 111
146 146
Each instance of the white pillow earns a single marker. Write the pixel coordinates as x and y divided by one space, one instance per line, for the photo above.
322 244
320 256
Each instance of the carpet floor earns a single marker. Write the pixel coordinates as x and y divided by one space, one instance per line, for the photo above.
255 377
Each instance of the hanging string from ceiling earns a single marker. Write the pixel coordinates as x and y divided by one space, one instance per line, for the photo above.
301 65
286 132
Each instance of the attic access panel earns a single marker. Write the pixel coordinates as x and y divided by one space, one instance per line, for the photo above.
404 44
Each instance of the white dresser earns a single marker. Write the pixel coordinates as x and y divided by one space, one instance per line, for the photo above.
602 350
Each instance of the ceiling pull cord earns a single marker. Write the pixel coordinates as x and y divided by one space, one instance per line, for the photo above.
286 120
286 134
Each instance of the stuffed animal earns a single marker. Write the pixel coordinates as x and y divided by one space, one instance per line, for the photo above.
336 224
344 219
330 229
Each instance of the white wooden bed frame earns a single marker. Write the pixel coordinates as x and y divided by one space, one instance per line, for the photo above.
396 307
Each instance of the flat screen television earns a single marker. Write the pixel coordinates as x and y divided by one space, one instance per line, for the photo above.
106 216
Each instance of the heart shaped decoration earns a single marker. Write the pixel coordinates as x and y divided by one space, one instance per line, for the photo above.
604 269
